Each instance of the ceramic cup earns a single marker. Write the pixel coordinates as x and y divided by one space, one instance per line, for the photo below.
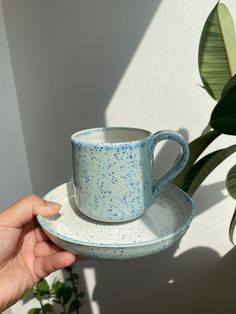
113 171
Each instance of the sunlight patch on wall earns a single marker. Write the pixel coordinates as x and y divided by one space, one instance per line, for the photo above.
90 280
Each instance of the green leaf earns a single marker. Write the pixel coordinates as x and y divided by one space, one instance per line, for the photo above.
223 117
231 182
42 287
63 292
204 167
229 85
38 296
74 276
217 51
196 148
81 294
28 294
66 294
34 311
57 285
60 292
47 307
75 304
206 129
232 227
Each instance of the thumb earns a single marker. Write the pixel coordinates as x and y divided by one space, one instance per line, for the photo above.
26 208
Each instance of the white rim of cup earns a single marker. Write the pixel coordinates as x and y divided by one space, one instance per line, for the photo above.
148 136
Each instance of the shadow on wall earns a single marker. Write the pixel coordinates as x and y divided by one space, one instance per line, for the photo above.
197 281
68 58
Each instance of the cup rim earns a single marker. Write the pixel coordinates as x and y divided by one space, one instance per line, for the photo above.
124 143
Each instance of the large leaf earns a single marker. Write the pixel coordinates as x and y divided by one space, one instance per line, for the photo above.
204 167
217 51
223 117
232 227
231 181
196 148
206 130
229 85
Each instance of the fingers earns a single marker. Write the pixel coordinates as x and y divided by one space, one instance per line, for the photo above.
40 235
44 265
48 209
23 211
46 248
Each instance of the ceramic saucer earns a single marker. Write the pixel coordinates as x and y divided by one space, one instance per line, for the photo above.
164 223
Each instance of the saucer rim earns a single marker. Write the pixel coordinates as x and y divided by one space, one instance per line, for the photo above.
181 230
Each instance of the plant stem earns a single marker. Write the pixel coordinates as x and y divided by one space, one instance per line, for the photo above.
74 289
41 304
60 301
64 308
75 292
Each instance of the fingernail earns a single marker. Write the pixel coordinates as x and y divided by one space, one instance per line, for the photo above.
53 205
47 210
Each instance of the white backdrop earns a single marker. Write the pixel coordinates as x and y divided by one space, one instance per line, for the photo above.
134 63
14 172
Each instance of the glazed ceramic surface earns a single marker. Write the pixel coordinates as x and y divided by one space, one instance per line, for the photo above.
113 171
163 223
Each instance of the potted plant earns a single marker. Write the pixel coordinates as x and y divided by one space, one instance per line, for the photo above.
65 296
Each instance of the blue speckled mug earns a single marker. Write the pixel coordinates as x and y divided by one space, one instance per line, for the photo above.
113 171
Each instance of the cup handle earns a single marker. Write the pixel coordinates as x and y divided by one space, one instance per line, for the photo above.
179 164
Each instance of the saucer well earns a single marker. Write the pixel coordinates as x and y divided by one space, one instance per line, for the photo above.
163 223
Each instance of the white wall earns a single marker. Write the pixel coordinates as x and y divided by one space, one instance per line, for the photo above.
132 63
15 178
68 57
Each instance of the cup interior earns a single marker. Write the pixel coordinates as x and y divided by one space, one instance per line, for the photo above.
110 135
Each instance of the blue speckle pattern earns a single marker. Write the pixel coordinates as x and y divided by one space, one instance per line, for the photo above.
163 223
114 182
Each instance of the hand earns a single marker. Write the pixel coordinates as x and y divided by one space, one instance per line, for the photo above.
26 254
